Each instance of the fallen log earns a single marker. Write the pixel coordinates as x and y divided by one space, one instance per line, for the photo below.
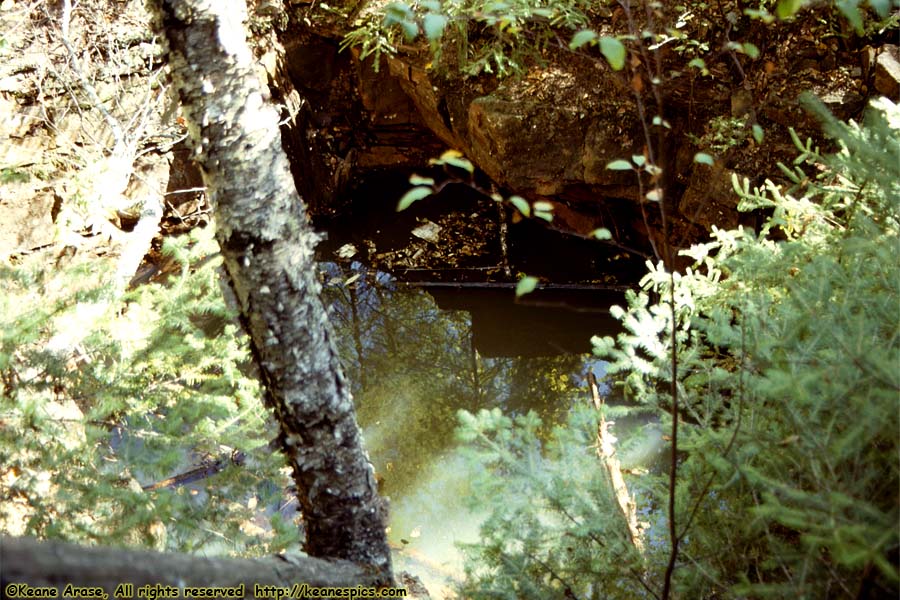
30 568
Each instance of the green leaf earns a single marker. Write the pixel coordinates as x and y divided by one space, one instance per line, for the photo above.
461 163
761 14
655 195
413 195
704 159
602 234
496 7
466 419
788 8
581 38
750 50
543 205
620 165
396 12
526 285
410 30
850 10
882 7
638 159
419 180
699 63
545 215
758 133
434 25
454 158
521 205
740 187
614 52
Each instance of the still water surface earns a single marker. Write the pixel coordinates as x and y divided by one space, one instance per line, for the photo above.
413 366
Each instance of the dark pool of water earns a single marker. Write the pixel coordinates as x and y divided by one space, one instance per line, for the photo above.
418 354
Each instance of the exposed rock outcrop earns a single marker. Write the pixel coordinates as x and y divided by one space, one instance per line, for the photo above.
549 133
354 133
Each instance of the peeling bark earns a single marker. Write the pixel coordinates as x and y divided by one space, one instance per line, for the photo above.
268 247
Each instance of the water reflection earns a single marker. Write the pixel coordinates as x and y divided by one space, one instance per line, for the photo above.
412 367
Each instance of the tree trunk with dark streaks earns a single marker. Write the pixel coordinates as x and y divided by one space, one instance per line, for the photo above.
268 245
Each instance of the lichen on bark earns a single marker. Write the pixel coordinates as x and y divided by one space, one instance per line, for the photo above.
268 247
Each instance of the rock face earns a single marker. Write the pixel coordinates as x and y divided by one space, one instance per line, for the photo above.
543 136
887 72
69 171
709 198
347 121
354 134
549 133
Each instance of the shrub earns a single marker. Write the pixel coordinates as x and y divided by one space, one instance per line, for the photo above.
158 384
788 347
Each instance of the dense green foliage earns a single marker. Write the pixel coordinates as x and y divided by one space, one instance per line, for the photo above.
156 386
474 36
789 376
789 379
504 37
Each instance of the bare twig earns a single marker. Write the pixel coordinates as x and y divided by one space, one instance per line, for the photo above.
667 257
111 122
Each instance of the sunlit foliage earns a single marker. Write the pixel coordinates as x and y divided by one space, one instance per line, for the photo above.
788 354
157 386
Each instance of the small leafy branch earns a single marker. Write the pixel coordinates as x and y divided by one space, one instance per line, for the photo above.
426 186
423 187
852 10
487 35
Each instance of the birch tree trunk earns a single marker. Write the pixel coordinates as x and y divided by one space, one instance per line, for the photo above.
268 245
